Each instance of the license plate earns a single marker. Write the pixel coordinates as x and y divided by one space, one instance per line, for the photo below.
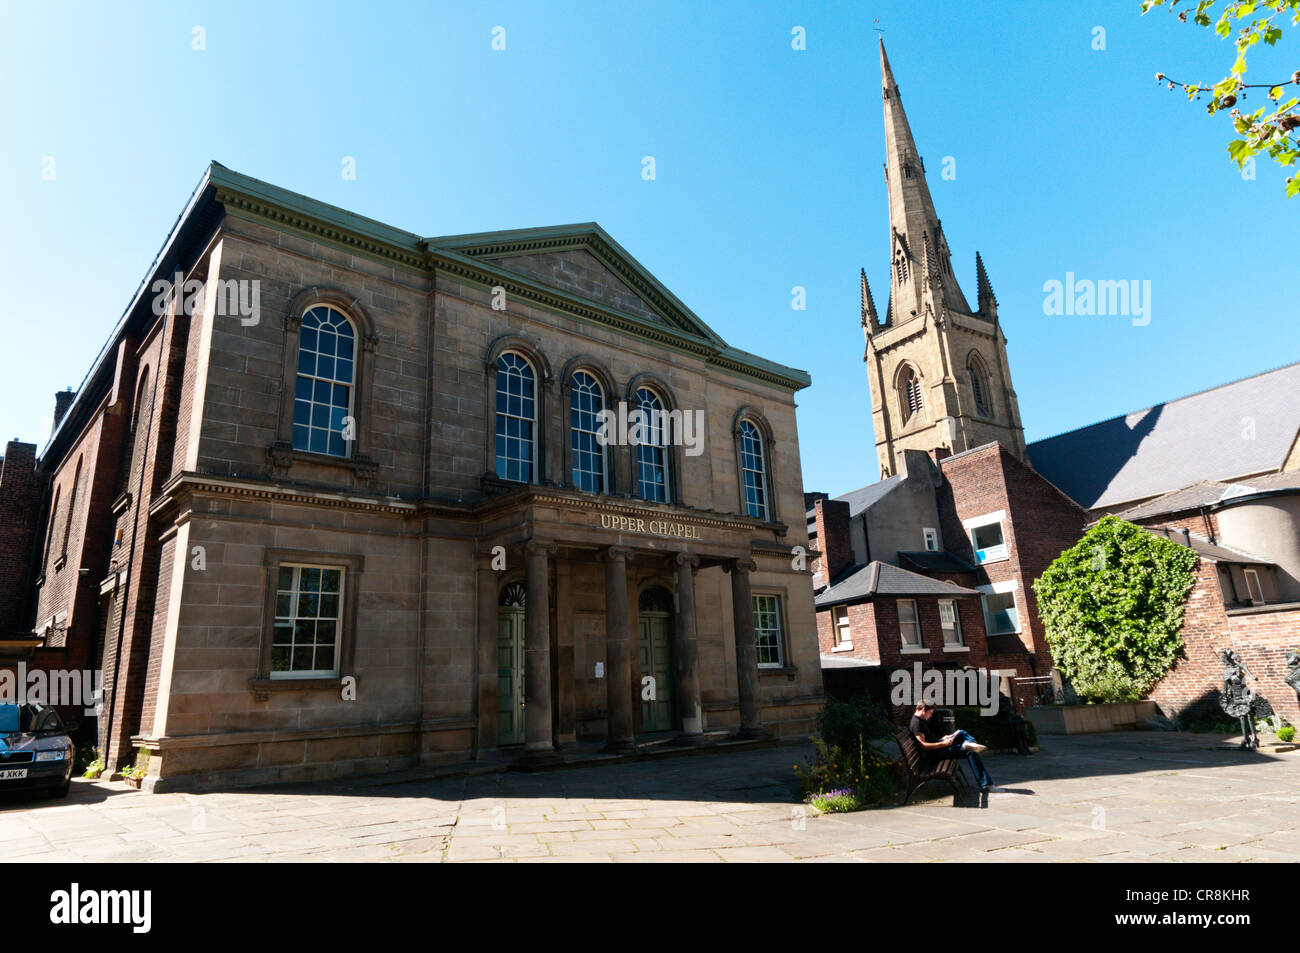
12 774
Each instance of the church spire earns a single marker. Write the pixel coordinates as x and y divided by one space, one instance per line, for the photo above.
912 218
869 319
988 301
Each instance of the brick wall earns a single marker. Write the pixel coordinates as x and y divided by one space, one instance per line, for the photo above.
832 520
19 497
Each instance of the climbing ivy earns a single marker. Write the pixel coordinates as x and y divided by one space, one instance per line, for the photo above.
1112 607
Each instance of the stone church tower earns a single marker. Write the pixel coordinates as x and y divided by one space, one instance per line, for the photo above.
939 372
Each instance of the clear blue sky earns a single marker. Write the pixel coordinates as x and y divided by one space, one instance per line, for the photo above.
768 171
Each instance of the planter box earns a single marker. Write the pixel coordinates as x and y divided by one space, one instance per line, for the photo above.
1086 719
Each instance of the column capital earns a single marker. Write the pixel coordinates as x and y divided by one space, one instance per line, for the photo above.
741 566
540 547
615 554
680 560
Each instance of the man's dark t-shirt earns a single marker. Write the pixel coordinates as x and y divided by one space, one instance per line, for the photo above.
931 730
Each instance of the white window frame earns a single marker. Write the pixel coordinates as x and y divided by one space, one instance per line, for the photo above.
919 644
1000 589
958 642
761 472
992 554
657 442
1251 576
778 630
930 537
534 421
841 629
603 474
348 442
338 621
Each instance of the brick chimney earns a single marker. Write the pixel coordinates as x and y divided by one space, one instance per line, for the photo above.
833 537
62 401
940 453
809 499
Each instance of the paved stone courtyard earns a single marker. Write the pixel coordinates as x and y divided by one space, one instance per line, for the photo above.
1097 798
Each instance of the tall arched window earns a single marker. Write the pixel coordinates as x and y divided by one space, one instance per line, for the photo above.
72 506
323 420
516 418
909 393
753 470
652 452
586 401
979 383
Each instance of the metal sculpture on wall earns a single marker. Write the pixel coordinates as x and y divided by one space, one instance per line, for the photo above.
1239 699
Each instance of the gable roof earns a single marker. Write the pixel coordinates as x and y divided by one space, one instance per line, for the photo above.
863 582
929 560
1203 547
1175 444
1211 494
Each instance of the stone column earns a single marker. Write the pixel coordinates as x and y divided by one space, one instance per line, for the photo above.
686 650
537 647
487 652
618 652
742 612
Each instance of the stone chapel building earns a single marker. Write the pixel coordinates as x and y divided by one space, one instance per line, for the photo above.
339 501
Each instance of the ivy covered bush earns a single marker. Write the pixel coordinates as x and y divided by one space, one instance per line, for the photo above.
1112 607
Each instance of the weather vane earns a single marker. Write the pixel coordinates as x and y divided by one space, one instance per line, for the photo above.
880 31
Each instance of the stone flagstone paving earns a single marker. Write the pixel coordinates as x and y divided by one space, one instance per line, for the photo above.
1128 797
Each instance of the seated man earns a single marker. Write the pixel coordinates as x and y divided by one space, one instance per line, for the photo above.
959 744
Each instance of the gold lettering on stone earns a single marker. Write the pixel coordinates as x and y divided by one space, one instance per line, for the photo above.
628 524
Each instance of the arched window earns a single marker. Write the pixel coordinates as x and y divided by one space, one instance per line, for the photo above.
72 506
909 393
979 383
652 451
516 418
586 401
753 470
49 530
513 596
323 420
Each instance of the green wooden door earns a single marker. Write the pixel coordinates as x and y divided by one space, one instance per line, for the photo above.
510 676
657 662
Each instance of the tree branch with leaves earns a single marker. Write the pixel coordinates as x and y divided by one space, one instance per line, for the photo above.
1272 132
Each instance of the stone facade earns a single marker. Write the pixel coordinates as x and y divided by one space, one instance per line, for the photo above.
197 497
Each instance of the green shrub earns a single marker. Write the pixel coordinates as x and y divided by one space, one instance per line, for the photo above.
866 773
841 801
847 723
1286 733
1112 607
1210 722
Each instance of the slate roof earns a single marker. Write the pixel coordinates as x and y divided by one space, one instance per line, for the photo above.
1210 494
863 582
858 499
1203 547
925 560
1176 444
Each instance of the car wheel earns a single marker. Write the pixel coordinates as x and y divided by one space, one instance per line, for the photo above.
62 790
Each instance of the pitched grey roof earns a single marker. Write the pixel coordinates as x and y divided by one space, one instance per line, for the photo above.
858 499
1210 494
1203 547
881 579
1193 439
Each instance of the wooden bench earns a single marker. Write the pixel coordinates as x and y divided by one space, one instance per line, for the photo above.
922 769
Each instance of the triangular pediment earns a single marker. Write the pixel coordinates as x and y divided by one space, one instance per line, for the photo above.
583 262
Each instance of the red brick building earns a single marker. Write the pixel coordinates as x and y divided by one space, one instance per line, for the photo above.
1247 591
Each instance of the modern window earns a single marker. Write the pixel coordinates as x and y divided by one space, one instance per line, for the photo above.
652 452
909 394
931 537
767 631
1001 617
516 418
753 469
950 622
987 541
908 626
843 633
1254 592
308 621
586 401
323 419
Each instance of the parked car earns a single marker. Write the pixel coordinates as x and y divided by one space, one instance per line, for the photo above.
35 750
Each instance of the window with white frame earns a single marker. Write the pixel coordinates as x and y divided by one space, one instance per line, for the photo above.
516 418
308 621
931 539
586 401
1001 617
843 632
652 452
908 625
753 468
323 392
1254 592
950 622
767 631
987 540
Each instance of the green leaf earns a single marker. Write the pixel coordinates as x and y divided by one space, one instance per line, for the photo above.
1239 150
1275 92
